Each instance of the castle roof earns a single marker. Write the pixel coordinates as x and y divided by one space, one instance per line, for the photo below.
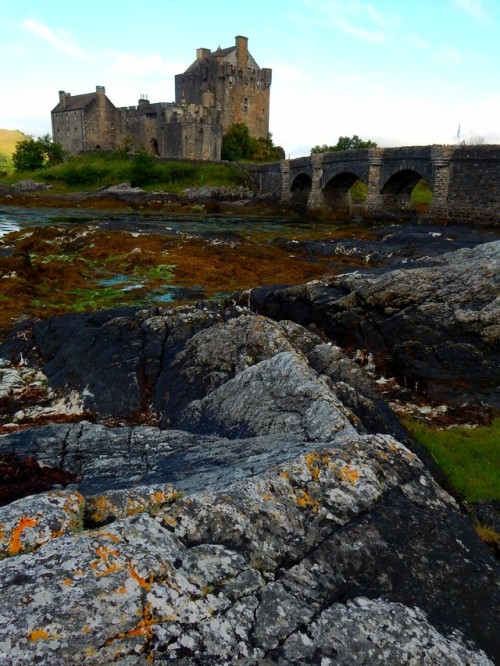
221 55
75 102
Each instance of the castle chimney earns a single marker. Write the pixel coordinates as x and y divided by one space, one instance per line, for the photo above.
202 53
63 96
242 51
100 90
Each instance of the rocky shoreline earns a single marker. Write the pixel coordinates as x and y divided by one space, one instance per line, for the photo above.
33 194
240 490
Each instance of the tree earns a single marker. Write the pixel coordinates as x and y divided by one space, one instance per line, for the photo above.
144 169
345 143
31 154
238 144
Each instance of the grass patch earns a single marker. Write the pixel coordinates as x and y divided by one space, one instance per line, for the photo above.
98 170
469 457
421 193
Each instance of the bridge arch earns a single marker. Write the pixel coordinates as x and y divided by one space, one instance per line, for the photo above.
398 189
300 190
338 193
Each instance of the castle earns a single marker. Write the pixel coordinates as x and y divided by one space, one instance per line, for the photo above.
220 88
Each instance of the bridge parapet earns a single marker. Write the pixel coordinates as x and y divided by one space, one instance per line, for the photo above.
464 180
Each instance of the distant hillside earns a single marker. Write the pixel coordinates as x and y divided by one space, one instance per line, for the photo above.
8 140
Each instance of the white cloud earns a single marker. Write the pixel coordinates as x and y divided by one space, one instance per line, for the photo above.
474 8
361 20
60 40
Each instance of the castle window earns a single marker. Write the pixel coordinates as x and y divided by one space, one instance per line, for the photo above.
245 105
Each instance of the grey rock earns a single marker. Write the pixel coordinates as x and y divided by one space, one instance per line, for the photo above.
258 572
434 324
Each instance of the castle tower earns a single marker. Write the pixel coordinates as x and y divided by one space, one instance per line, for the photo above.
239 88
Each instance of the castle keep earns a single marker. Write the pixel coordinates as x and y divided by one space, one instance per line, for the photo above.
220 88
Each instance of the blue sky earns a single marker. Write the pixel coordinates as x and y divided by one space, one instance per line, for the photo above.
395 71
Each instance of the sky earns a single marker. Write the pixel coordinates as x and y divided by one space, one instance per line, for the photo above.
398 72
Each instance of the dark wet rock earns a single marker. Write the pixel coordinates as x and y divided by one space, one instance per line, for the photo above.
435 324
123 188
383 246
487 513
191 367
22 477
29 185
209 193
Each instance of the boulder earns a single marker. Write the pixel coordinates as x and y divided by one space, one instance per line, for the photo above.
350 553
434 324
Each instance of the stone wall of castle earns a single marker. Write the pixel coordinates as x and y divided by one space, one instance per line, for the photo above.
240 89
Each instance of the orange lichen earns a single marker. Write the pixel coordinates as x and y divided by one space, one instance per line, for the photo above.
136 576
159 496
68 582
313 462
170 520
266 497
383 455
348 474
38 635
101 508
104 562
143 628
15 544
303 499
285 475
108 535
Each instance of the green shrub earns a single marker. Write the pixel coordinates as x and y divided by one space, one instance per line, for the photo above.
144 170
32 154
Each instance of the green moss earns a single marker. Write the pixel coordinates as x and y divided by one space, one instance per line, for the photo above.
469 457
158 272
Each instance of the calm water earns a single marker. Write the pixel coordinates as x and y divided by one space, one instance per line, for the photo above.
14 219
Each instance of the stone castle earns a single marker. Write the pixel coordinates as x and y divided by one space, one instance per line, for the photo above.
220 88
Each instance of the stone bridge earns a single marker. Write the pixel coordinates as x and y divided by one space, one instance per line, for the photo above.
464 181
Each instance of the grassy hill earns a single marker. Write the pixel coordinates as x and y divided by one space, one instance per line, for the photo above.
8 140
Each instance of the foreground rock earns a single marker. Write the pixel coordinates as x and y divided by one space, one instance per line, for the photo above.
241 494
434 325
351 553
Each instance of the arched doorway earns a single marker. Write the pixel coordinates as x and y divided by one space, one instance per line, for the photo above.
153 147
